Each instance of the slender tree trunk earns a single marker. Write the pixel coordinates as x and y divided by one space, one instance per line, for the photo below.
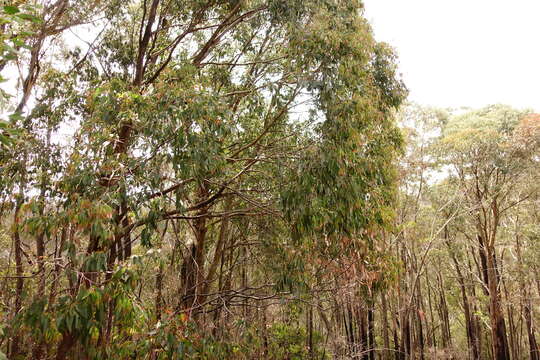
397 353
446 335
385 326
513 333
309 323
371 331
470 327
404 311
483 269
475 319
433 340
159 292
19 272
350 322
397 343
420 316
526 300
498 326
124 243
534 351
265 333
362 335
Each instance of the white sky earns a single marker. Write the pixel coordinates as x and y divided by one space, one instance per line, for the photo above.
455 53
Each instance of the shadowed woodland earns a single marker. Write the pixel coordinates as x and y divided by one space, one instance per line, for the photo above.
245 179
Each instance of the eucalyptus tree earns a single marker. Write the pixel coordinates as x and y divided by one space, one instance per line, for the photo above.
464 174
488 165
202 124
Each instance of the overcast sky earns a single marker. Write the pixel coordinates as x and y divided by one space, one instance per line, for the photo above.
464 52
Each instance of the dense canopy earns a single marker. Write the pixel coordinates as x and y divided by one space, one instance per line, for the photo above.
242 179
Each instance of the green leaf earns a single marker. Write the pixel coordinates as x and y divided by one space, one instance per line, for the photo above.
19 42
16 116
8 9
29 17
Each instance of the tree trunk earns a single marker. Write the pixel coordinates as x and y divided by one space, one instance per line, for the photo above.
159 294
19 272
526 301
193 274
371 331
446 335
470 328
533 345
64 346
309 325
405 343
385 326
498 326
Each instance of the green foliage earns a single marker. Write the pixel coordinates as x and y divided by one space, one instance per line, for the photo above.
347 176
482 143
18 21
243 145
289 342
17 27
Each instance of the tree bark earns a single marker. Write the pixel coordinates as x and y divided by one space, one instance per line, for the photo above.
385 326
193 274
498 326
19 272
